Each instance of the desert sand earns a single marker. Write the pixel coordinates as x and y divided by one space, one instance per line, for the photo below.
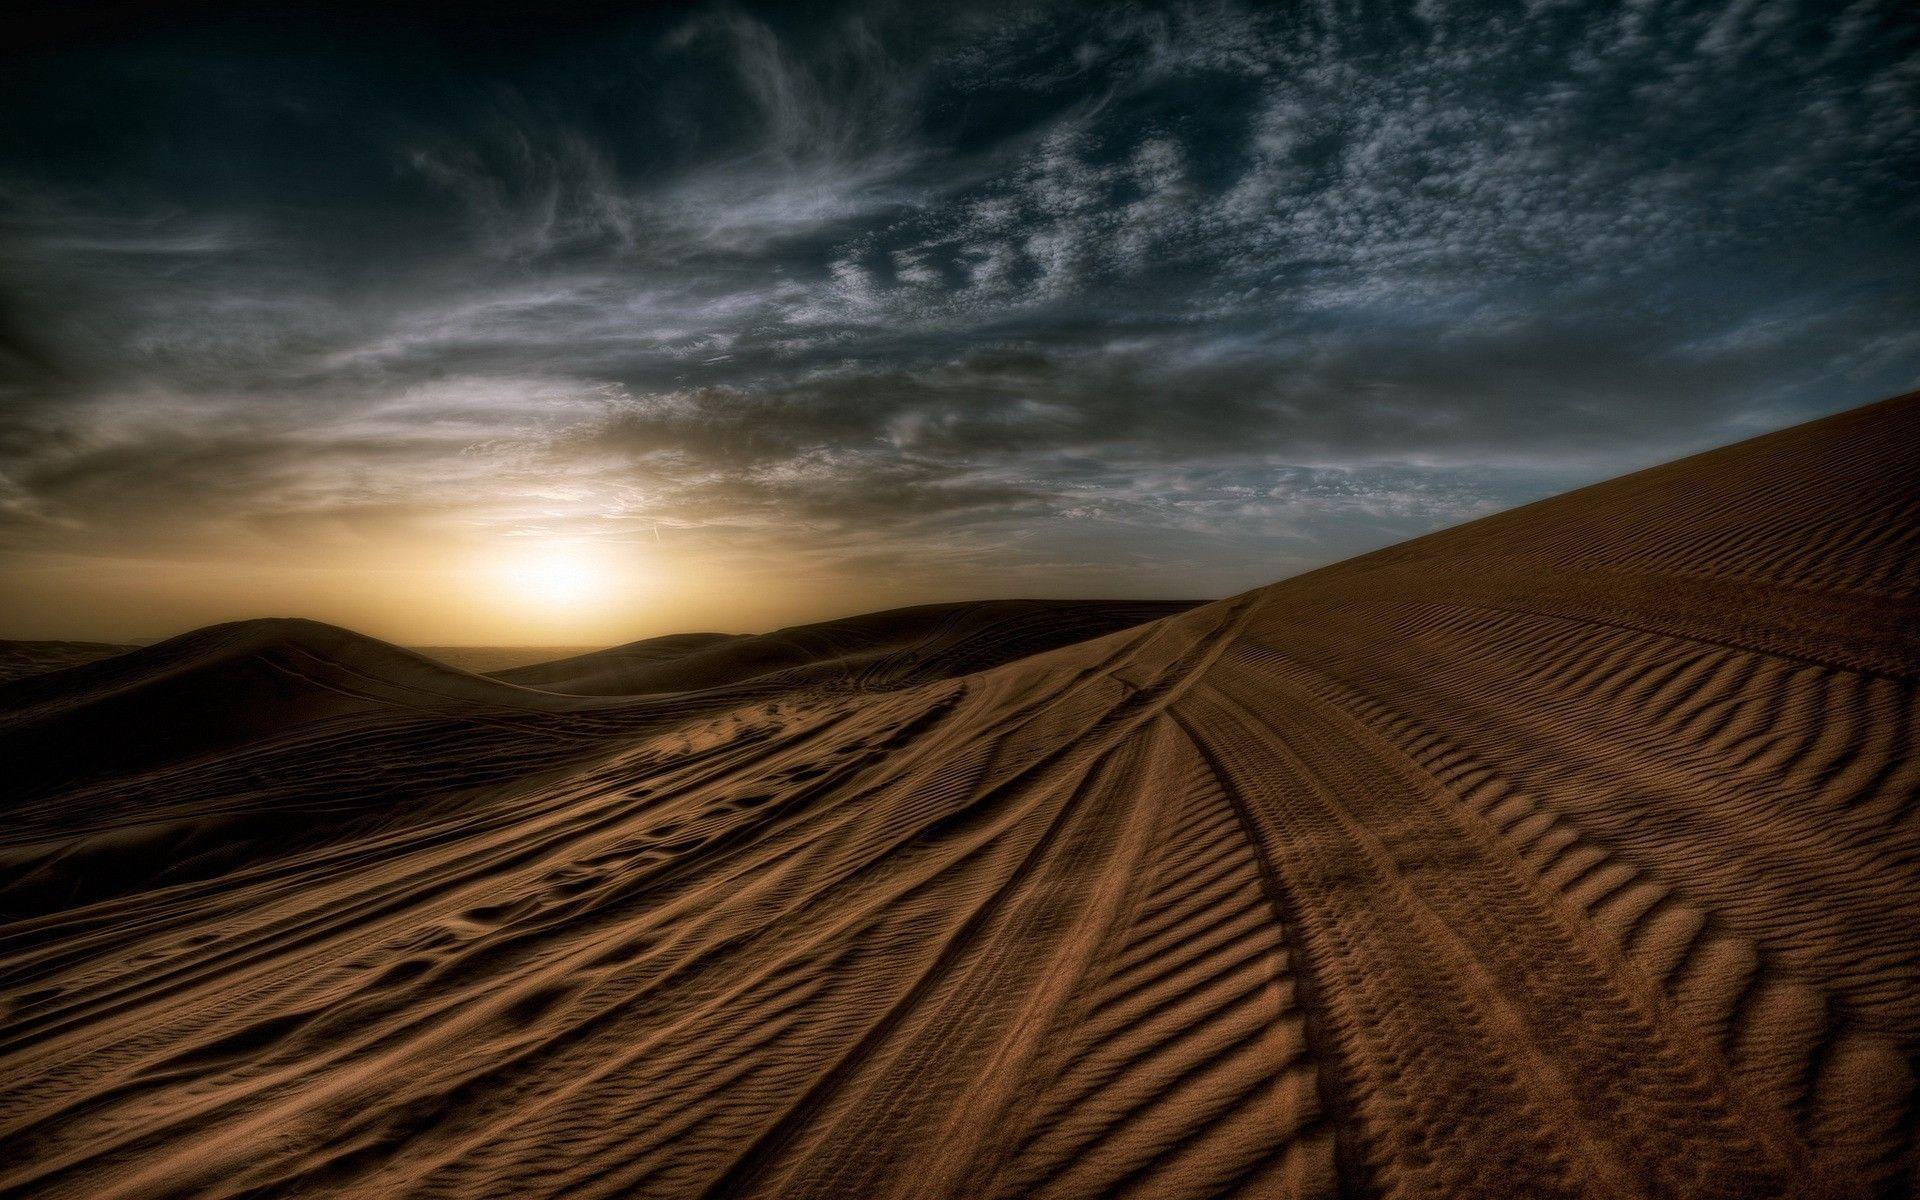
19 659
1571 852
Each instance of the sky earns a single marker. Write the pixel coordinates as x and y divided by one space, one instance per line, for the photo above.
584 322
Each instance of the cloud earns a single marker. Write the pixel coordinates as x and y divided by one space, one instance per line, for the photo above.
531 188
793 146
1211 290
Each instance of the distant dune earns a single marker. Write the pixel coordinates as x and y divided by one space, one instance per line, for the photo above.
885 649
1572 852
19 659
497 658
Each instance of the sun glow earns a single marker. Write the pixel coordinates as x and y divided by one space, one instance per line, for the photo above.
559 577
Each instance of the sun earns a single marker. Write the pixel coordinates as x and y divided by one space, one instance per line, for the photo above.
555 577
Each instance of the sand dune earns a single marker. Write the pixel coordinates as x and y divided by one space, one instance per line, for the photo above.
247 741
20 659
898 647
1571 852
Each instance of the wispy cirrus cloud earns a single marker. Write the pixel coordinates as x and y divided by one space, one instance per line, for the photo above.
1226 288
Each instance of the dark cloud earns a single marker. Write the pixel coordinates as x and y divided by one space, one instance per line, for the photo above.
1196 292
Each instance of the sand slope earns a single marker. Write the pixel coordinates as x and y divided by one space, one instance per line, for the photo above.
244 742
1568 853
19 659
884 649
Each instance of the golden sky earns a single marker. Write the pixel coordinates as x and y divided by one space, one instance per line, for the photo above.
518 593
